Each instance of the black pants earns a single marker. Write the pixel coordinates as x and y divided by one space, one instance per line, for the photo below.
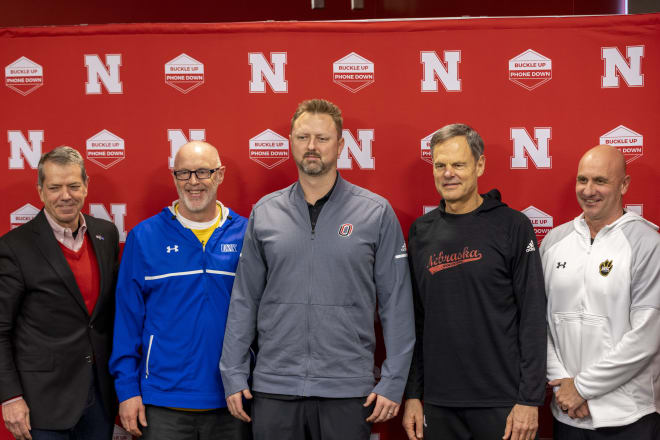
170 424
448 423
310 418
646 428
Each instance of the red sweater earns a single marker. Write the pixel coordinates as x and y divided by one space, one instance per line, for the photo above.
85 269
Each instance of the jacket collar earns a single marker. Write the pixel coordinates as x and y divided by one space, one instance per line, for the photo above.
48 246
580 224
339 187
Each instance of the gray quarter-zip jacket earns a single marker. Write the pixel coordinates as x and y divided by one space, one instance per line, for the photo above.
311 297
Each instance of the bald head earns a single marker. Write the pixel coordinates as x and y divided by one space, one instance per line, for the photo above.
607 154
197 149
197 194
600 185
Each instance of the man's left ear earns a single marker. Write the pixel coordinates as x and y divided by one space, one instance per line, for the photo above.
340 145
625 184
481 165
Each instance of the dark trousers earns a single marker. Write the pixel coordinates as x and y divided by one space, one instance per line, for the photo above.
94 424
171 424
310 418
448 423
646 428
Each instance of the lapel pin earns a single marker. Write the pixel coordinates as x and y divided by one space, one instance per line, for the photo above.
99 236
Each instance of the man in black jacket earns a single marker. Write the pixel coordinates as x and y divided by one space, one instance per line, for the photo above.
57 284
479 360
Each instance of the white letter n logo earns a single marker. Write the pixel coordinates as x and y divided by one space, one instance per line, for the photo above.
360 152
616 65
20 149
539 152
433 67
261 70
98 73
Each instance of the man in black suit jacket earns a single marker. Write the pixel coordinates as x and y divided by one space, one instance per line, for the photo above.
57 283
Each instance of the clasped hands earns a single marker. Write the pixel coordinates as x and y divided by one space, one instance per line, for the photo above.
568 398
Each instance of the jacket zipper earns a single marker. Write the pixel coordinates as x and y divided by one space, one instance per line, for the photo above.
151 341
204 259
309 302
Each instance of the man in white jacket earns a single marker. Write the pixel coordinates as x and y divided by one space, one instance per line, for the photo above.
602 276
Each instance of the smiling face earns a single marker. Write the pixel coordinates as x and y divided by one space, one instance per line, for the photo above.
455 172
63 193
315 144
197 196
600 185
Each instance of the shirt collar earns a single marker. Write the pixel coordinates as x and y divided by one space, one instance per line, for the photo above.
325 198
223 214
65 235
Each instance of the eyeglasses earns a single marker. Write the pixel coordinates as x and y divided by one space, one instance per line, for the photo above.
201 173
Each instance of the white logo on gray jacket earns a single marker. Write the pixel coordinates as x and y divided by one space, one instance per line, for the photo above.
403 252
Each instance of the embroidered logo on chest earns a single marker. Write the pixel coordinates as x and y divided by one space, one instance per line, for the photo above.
345 230
605 267
228 247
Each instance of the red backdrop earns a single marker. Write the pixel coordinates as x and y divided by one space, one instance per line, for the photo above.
539 90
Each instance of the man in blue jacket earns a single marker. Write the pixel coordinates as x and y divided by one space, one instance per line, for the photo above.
173 291
319 257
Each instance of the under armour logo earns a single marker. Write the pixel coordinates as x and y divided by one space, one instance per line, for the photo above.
174 248
562 265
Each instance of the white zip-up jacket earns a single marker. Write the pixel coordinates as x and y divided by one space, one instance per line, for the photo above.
604 317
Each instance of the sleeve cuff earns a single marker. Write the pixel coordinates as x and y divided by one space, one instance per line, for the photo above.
580 390
387 388
12 400
125 392
234 384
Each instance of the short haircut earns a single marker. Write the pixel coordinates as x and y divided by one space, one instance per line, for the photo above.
452 130
320 106
62 155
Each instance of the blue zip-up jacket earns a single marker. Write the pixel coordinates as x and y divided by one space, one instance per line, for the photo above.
172 300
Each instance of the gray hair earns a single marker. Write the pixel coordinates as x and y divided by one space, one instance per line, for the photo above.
452 130
62 155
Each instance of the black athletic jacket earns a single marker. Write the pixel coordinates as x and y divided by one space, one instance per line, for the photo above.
479 308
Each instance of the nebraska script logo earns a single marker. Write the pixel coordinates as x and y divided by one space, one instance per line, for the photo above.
442 261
